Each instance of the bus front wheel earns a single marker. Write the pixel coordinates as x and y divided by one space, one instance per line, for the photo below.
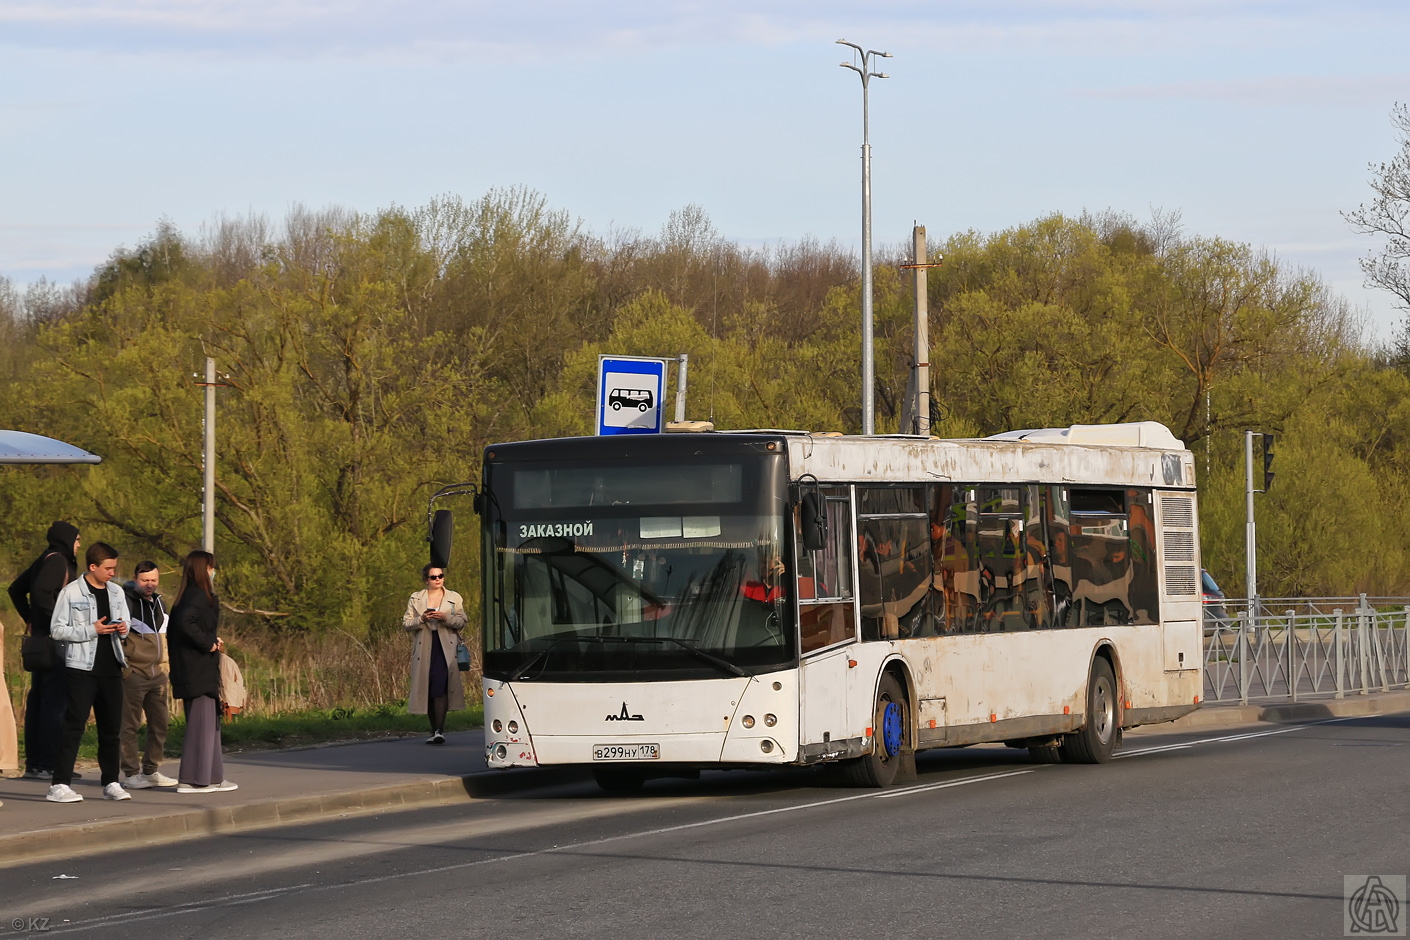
1096 740
891 738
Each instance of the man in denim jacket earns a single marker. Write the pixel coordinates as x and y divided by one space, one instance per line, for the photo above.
90 620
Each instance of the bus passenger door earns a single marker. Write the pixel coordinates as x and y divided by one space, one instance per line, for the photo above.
827 623
824 698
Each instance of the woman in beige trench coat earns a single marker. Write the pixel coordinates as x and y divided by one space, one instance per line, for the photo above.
435 616
9 736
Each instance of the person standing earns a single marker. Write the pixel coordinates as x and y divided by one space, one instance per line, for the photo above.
144 681
34 594
195 648
436 616
9 740
90 620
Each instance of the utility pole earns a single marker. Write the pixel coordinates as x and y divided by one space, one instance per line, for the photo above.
208 490
683 361
922 332
868 365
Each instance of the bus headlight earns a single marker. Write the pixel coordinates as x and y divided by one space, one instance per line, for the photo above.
766 746
501 752
497 725
513 727
770 720
748 721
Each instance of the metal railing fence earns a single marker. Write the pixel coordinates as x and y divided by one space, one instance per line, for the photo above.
1292 655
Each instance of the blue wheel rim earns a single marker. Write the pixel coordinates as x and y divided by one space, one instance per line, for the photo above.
891 731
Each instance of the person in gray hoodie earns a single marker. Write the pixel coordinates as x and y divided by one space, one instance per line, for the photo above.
144 681
90 620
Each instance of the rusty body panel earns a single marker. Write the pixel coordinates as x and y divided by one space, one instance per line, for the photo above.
1003 686
916 460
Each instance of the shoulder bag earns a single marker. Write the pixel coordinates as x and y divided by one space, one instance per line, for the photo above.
38 653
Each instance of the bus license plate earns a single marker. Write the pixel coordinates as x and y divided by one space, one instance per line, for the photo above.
626 751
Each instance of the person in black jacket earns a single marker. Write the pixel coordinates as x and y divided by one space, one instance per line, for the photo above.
34 594
194 650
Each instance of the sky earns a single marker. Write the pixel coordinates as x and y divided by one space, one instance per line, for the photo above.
1254 120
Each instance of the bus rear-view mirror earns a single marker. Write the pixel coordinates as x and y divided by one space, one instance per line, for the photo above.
813 516
442 528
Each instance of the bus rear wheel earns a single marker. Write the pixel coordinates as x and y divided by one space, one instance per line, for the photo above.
891 738
1096 740
619 779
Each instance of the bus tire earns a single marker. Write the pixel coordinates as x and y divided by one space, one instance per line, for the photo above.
1096 740
619 779
890 745
1046 754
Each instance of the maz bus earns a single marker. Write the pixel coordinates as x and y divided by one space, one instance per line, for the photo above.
659 604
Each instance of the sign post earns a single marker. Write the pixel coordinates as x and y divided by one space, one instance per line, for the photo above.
629 391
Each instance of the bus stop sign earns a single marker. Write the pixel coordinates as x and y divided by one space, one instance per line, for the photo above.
629 390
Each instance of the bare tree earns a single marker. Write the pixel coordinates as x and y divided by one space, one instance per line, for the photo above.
1389 214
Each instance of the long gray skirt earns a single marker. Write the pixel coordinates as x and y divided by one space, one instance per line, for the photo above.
201 762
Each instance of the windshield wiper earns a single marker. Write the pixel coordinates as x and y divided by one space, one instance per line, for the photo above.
519 673
711 658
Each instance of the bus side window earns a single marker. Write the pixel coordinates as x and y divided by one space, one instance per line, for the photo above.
1058 520
1145 582
1101 557
954 595
825 611
893 562
1038 576
1003 560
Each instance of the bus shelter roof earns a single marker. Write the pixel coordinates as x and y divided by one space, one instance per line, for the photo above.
21 447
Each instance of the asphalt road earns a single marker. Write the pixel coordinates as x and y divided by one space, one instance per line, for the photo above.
1238 833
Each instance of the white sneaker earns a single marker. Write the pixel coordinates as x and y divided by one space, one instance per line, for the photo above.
224 785
158 779
62 793
135 782
114 791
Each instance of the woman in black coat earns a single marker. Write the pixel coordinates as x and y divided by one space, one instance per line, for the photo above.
195 649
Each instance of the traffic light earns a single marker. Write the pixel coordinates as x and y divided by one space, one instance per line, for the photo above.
1267 462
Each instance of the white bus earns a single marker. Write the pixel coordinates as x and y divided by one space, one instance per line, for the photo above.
659 604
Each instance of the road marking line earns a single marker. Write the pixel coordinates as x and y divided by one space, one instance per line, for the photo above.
198 906
189 907
1221 740
952 783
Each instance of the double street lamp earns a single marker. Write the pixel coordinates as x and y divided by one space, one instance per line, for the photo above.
868 362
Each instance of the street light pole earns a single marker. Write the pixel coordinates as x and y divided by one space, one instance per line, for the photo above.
868 363
208 487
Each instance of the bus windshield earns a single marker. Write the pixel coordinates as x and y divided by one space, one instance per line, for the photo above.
634 573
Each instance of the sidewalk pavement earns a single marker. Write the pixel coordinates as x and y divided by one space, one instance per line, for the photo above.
309 784
276 788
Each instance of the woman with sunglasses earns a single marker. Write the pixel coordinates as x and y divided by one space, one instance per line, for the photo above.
435 616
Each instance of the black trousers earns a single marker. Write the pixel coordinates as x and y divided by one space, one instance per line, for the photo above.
102 695
44 711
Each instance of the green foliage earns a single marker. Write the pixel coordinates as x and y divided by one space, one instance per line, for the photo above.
367 360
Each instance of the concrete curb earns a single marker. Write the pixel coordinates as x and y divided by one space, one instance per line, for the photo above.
1353 706
66 841
62 842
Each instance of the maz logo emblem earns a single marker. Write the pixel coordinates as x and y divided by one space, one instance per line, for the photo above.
625 715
